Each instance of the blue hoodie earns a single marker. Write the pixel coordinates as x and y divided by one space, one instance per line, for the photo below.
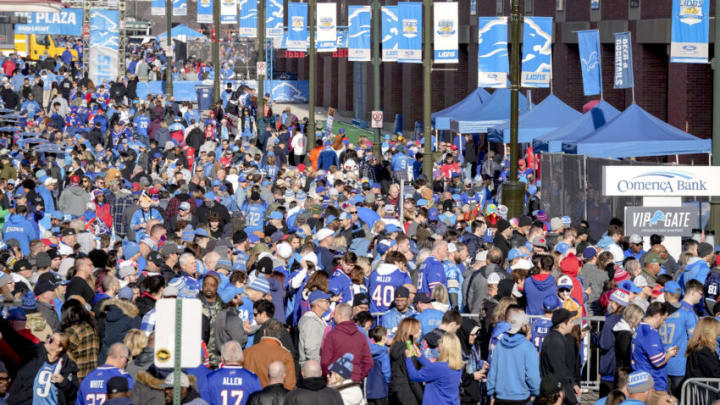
442 383
21 229
497 334
515 373
696 269
536 288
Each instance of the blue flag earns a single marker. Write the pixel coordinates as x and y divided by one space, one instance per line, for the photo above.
623 77
274 16
390 30
590 61
492 52
204 11
297 35
410 41
537 52
690 31
359 33
248 19
179 8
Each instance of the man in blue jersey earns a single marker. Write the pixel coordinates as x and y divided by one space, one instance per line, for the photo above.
340 282
93 390
648 353
432 271
429 317
254 211
678 328
385 280
541 326
231 384
397 313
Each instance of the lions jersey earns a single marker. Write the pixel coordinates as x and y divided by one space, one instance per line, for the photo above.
648 354
254 216
142 123
231 385
383 283
44 391
675 332
93 389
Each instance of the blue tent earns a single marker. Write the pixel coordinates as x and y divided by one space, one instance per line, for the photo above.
493 112
543 118
470 104
598 116
180 31
634 133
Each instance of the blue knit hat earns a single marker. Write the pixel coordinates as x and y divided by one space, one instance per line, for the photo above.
343 366
229 292
28 301
259 284
130 249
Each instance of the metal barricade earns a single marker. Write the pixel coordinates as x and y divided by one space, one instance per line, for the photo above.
700 391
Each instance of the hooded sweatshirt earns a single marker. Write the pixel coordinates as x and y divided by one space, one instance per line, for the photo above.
346 338
571 266
536 288
515 373
73 201
442 384
696 269
21 229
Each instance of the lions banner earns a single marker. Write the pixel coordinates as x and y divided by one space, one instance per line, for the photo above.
537 52
390 31
326 27
248 19
445 32
493 64
104 43
410 27
204 12
359 33
297 35
690 31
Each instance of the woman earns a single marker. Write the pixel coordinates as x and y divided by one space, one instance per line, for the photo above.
475 368
141 352
623 331
84 344
47 372
702 362
441 378
404 391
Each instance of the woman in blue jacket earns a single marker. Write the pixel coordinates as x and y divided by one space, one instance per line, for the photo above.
441 378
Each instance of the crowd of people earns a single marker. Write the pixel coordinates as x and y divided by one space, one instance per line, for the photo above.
320 279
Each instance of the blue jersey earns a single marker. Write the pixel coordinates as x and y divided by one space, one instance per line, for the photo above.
392 318
44 391
429 319
246 314
382 284
431 273
471 199
675 332
93 389
142 123
341 284
648 354
230 385
540 329
254 216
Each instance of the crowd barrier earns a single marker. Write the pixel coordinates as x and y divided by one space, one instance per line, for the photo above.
700 391
281 91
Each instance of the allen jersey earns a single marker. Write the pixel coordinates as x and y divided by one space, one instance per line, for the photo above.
230 385
648 354
382 284
93 389
430 274
540 329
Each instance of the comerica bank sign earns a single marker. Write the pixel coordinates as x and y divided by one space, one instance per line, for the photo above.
664 181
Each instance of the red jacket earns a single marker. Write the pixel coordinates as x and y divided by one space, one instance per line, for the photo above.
347 338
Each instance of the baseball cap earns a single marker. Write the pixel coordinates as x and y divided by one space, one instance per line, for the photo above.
44 286
185 206
672 287
169 381
523 264
565 282
361 299
629 286
540 242
119 384
562 315
550 385
589 252
324 233
422 297
515 253
402 292
655 258
635 238
318 295
551 303
517 321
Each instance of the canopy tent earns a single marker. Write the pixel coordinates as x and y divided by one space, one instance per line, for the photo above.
599 115
635 133
472 103
543 118
494 112
181 32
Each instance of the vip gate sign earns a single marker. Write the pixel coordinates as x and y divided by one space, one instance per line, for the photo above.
665 221
662 181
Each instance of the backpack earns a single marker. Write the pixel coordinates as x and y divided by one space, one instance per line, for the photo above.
375 385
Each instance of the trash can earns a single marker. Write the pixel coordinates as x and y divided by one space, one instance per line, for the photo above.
204 97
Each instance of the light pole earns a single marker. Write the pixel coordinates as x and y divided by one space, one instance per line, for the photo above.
376 18
715 201
427 70
216 50
261 58
169 72
311 68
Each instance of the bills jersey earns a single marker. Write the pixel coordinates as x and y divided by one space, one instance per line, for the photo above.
431 274
540 329
648 354
231 385
93 390
383 283
676 331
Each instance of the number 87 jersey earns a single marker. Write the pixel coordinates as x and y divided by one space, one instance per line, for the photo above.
382 284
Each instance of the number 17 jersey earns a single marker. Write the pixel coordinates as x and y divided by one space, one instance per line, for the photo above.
231 385
382 284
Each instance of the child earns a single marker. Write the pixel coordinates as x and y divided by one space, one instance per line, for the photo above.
565 286
379 377
541 326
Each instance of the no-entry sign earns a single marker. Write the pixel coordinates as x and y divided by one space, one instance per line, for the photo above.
376 118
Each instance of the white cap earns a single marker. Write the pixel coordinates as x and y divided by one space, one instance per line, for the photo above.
636 239
641 281
50 180
523 264
310 257
324 233
481 256
284 250
493 278
452 248
517 321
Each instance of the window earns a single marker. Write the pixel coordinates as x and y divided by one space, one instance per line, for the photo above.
529 7
634 3
560 5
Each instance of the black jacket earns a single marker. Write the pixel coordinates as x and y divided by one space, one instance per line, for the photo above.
313 391
33 356
273 394
702 363
402 390
116 318
555 358
144 304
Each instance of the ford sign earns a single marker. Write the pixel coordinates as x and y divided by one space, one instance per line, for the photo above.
665 181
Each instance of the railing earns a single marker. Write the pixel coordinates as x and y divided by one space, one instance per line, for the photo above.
700 391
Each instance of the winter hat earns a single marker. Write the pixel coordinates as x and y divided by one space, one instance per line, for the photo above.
259 284
570 265
620 297
620 275
127 268
639 382
229 292
284 250
28 301
343 366
551 303
130 249
555 224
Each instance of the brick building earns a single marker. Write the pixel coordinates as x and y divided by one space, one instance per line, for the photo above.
681 94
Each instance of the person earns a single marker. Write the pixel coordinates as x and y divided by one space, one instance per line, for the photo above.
260 356
346 338
402 389
551 392
678 328
5 381
432 271
313 388
648 352
118 391
442 377
79 326
274 393
619 300
400 310
702 362
312 326
386 280
640 388
94 386
339 378
231 383
188 393
451 322
555 358
379 377
514 374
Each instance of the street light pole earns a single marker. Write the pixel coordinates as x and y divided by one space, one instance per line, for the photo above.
715 201
512 190
427 70
376 18
168 72
311 68
216 50
261 58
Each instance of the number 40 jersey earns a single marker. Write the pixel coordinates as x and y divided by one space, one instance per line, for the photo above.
382 284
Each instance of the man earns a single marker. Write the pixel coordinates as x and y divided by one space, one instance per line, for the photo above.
325 240
346 338
188 394
274 392
648 353
398 312
676 332
231 384
45 296
429 317
211 307
17 227
432 270
640 388
451 322
94 387
312 327
118 391
5 381
260 356
313 388
540 286
595 278
636 247
385 281
698 267
648 275
554 354
73 199
80 284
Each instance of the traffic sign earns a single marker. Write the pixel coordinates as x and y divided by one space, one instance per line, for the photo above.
86 30
377 119
166 330
261 67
